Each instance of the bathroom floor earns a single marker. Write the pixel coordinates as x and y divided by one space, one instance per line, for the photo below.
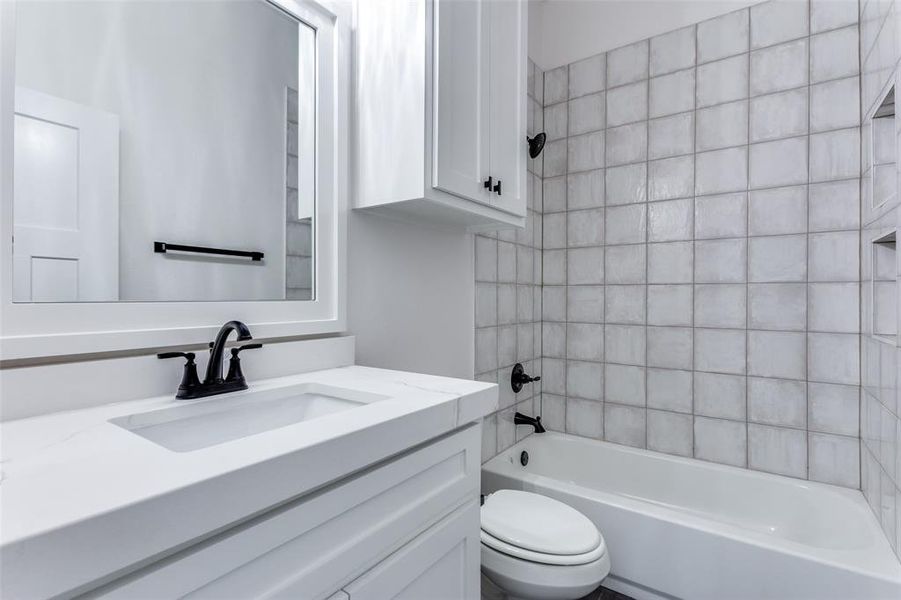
603 593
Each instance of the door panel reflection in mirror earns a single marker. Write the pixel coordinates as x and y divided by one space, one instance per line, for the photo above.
186 121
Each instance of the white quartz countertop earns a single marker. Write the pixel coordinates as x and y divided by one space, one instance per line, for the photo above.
85 499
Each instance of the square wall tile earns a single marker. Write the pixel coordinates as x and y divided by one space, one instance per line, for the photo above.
585 266
586 152
555 158
624 384
585 304
627 144
670 433
673 51
553 376
720 441
486 259
585 418
835 104
669 390
721 171
673 93
780 162
587 113
556 84
720 351
627 64
670 262
834 459
832 14
779 67
834 409
625 425
585 341
778 306
835 155
486 305
834 55
671 178
625 264
587 76
555 231
834 256
553 271
720 305
585 227
776 259
583 190
627 184
669 305
625 304
834 307
833 358
778 21
779 115
720 261
777 354
624 344
721 216
720 396
669 347
722 81
779 402
778 211
671 136
670 221
777 450
626 224
553 412
724 36
723 126
554 194
627 104
584 379
555 121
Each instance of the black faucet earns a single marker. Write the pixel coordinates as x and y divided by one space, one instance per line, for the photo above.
521 419
213 383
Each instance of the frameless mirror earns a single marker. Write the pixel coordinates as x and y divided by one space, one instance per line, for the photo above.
163 152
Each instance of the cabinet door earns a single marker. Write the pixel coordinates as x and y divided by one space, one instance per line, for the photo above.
508 103
442 563
460 98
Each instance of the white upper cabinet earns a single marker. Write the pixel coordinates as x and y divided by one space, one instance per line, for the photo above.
441 110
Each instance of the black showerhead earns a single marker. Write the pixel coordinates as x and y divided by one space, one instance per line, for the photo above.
536 144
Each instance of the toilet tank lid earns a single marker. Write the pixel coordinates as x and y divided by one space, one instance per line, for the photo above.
538 523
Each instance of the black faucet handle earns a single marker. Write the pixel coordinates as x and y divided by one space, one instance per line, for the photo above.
238 349
189 379
188 355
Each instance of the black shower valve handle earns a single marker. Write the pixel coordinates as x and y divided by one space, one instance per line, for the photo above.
519 378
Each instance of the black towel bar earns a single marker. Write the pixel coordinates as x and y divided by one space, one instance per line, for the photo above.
163 247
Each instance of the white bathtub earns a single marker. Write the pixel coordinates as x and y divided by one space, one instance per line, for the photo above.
689 529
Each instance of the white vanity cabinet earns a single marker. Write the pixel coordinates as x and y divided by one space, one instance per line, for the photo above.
403 526
441 110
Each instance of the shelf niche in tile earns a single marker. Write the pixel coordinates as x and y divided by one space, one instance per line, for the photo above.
882 173
884 288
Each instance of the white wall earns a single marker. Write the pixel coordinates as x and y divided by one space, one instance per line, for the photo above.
410 296
563 31
200 91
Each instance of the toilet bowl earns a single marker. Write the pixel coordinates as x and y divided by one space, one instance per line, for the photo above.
537 548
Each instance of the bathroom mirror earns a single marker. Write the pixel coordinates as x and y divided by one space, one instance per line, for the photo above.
163 151
206 156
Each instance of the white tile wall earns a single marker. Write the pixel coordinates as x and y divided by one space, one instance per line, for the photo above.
714 277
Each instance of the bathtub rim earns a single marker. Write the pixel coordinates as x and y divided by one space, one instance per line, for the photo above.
886 565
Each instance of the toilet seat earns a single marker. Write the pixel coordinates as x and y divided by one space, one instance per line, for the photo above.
539 529
540 557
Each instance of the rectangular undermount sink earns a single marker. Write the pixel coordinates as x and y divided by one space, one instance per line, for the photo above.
200 424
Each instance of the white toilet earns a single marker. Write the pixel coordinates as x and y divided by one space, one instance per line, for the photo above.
537 548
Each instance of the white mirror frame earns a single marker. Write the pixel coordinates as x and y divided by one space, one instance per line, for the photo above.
44 330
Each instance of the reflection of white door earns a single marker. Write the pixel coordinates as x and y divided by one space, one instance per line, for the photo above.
66 201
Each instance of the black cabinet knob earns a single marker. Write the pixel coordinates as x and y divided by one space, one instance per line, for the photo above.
497 187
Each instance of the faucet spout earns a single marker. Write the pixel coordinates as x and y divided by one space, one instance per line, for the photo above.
521 419
214 366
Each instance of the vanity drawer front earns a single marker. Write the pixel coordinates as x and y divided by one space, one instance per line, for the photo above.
320 542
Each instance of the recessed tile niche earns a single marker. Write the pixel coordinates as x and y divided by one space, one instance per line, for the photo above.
883 176
883 293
